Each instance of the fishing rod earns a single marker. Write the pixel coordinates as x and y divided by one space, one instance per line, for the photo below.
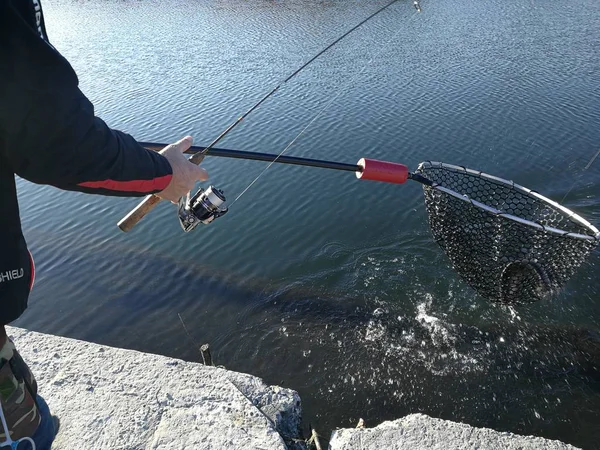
150 201
207 205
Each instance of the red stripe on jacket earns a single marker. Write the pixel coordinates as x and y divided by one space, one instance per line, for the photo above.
156 184
32 279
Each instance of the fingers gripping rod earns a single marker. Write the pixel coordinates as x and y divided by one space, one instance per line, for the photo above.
150 201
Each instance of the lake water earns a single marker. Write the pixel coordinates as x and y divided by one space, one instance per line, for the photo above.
315 280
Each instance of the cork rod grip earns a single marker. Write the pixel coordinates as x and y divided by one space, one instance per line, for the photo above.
137 213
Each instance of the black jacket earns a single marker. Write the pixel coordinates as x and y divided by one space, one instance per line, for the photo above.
49 135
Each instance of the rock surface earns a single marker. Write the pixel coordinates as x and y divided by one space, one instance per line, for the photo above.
110 398
418 431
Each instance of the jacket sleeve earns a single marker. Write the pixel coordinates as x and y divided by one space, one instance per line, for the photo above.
60 142
48 130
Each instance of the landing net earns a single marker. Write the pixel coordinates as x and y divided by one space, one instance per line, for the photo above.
511 244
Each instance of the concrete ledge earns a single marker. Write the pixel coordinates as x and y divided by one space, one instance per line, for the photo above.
420 432
110 398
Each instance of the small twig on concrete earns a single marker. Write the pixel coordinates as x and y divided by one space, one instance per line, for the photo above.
191 337
314 438
206 357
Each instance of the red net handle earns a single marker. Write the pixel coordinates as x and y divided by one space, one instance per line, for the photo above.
388 172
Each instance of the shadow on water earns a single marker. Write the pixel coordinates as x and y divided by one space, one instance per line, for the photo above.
349 357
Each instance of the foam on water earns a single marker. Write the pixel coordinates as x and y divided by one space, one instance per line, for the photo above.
432 341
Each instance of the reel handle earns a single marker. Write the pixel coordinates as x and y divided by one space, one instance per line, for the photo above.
148 204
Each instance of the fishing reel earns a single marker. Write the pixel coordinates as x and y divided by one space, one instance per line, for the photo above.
203 207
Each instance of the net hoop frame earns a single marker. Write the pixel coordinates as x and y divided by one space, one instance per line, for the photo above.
567 212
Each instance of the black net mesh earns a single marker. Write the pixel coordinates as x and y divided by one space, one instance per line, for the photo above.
510 244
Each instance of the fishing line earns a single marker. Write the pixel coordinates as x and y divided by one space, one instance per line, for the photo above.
276 88
283 151
580 175
322 110
188 333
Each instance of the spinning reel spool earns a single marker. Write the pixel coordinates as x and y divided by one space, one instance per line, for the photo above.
203 207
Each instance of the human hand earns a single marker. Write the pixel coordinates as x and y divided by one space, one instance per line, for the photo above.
185 173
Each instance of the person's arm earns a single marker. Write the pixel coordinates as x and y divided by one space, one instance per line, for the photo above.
60 142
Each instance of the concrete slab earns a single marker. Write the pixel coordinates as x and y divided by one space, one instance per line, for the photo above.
110 398
420 432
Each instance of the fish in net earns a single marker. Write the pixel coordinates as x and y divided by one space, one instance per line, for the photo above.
511 244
